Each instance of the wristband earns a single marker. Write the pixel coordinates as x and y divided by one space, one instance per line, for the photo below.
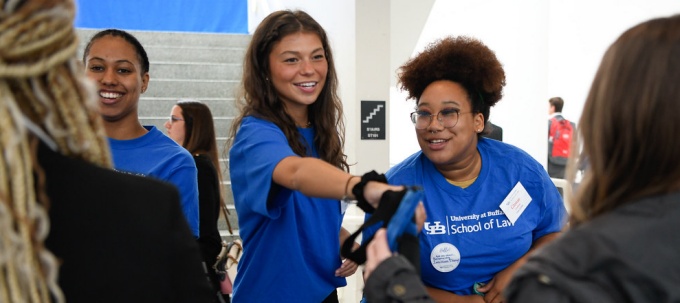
345 197
358 190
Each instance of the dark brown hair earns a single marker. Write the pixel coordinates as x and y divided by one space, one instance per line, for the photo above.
463 60
260 99
628 129
558 103
139 49
199 134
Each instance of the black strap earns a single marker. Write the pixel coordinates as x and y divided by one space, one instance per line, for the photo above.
389 202
358 190
409 247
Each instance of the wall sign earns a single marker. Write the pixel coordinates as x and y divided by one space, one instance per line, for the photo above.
373 120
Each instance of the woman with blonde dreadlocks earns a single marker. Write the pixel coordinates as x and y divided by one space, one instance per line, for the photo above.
67 230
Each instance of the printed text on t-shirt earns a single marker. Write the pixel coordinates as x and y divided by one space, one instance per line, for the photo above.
467 224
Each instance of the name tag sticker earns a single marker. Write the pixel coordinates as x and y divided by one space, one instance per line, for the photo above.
516 202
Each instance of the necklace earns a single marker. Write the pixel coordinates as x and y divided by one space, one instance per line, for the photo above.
309 123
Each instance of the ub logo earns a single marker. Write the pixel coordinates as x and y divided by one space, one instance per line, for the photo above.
436 229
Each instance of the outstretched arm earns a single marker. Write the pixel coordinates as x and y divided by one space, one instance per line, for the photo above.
316 178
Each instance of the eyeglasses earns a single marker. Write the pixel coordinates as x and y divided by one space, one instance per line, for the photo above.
447 117
174 119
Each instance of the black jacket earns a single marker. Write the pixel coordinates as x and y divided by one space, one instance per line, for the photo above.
627 255
395 280
118 237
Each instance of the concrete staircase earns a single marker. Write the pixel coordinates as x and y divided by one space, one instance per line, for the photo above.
205 67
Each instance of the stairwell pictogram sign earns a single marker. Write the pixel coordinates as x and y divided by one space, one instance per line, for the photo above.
373 120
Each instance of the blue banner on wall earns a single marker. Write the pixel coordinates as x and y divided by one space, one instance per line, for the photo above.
212 16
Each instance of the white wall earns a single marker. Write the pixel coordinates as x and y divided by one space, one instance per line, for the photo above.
548 48
581 31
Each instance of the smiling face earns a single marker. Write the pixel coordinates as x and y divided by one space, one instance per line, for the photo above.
176 126
298 70
114 65
448 148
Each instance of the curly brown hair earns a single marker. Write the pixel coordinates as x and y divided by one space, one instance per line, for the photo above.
463 60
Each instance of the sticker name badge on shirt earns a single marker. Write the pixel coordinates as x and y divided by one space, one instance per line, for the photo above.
516 202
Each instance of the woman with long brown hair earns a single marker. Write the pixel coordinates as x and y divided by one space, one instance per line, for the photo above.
191 125
287 166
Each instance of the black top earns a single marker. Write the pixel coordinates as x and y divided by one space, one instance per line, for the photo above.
209 206
119 237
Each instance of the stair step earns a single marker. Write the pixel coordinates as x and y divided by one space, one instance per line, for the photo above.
155 106
196 70
194 54
154 39
179 88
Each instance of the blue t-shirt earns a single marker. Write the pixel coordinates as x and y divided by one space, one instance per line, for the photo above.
467 238
291 241
156 155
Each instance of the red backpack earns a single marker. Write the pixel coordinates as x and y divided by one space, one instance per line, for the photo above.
560 136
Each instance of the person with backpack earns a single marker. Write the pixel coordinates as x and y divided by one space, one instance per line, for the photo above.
559 138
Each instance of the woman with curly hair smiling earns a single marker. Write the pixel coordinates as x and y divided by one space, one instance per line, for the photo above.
488 203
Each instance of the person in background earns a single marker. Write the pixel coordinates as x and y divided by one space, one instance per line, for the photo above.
72 229
118 63
191 125
288 169
622 243
488 204
559 138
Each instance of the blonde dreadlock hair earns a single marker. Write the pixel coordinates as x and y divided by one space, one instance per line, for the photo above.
44 94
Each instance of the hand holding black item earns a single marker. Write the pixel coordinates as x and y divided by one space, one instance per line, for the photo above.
389 204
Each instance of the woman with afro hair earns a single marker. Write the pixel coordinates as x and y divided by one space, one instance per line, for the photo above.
488 203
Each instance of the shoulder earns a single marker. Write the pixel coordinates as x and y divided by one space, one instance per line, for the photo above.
204 164
253 129
256 136
202 160
502 150
168 147
85 180
406 169
250 123
159 138
134 216
509 157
